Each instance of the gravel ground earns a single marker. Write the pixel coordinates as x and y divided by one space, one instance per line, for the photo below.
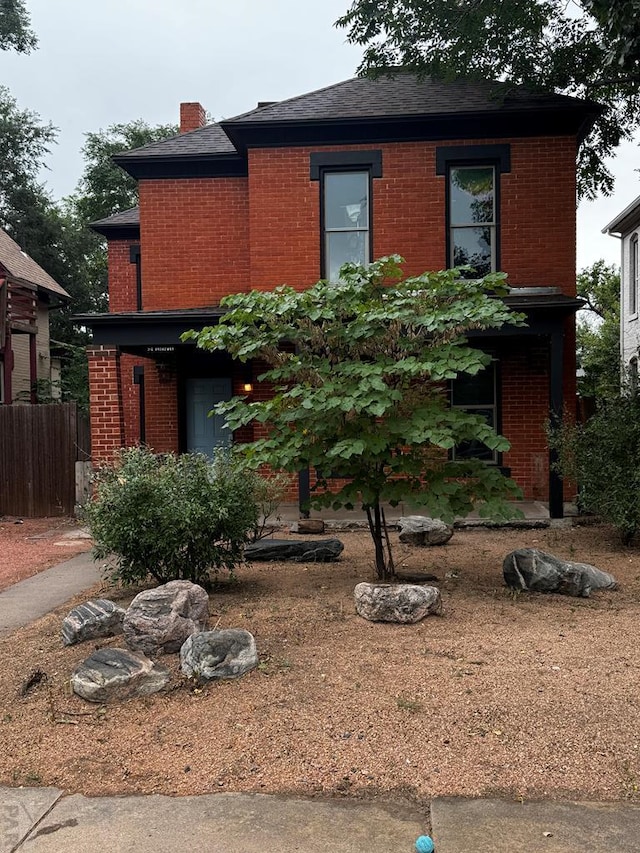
524 696
30 545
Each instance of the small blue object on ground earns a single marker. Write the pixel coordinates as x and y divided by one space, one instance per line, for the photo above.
424 844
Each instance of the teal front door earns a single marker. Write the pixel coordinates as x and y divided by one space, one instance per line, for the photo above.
204 433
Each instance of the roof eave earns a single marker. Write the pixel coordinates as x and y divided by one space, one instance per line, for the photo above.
624 221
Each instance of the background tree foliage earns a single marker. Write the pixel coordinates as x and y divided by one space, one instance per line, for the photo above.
359 370
15 27
586 49
598 336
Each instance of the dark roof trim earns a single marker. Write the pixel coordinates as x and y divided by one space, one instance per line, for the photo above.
345 159
490 124
447 155
184 166
117 231
147 328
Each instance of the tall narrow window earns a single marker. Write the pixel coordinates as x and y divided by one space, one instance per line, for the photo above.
634 275
472 219
345 213
476 395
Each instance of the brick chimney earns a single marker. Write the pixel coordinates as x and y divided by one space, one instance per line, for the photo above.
192 116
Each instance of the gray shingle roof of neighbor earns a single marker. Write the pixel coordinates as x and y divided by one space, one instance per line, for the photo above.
628 218
209 140
405 94
19 265
124 217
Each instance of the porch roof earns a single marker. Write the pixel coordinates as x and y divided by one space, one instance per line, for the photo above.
544 307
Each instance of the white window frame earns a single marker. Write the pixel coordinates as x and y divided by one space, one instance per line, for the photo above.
634 275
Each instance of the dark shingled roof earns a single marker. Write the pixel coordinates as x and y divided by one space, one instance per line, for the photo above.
405 95
125 217
209 140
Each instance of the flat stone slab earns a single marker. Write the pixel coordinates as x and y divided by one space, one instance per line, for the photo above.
297 550
114 675
20 809
224 823
498 826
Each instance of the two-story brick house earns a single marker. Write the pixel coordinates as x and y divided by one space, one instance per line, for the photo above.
440 173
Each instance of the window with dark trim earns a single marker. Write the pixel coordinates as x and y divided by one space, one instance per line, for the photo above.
477 395
346 179
472 174
472 219
345 220
634 275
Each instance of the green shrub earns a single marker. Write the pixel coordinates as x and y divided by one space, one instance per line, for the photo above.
174 517
603 457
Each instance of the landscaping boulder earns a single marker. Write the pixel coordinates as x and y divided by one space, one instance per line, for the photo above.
421 530
112 675
298 550
159 620
98 618
227 653
531 569
403 602
308 525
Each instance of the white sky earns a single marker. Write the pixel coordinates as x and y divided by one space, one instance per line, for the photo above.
101 63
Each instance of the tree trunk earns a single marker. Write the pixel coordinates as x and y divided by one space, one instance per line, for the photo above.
378 530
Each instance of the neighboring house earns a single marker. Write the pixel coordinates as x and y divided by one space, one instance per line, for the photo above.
27 294
440 173
626 227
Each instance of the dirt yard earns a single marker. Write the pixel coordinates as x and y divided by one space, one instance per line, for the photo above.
524 696
30 545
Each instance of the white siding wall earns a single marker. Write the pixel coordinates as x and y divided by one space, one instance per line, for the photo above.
629 322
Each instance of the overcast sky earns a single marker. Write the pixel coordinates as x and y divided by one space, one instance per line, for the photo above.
100 63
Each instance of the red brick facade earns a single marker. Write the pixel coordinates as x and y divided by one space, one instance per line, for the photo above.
204 237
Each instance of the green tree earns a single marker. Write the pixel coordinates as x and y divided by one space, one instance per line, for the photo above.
603 457
104 188
15 27
598 336
359 371
581 49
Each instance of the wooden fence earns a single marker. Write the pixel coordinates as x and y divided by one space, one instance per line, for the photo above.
39 448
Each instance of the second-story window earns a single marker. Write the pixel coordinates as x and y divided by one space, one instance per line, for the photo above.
346 216
472 219
634 275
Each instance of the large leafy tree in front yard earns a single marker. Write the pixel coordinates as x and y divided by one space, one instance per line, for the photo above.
359 370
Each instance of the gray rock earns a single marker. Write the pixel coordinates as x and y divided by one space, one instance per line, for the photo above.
531 569
113 675
308 525
97 618
421 530
403 603
228 653
159 620
313 551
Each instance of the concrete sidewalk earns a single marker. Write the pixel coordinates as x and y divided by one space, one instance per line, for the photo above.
42 820
28 600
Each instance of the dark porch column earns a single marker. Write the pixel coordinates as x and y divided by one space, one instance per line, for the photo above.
556 403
